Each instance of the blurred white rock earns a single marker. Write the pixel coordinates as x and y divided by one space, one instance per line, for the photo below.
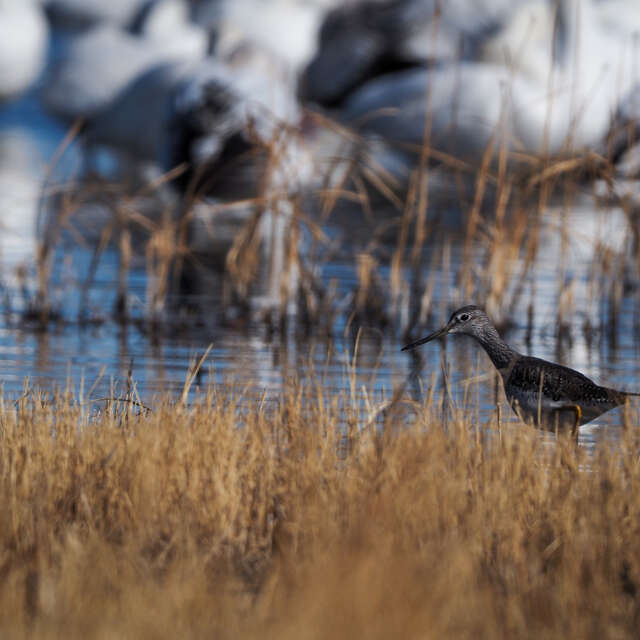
23 45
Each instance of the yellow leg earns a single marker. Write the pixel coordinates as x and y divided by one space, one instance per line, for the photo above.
578 412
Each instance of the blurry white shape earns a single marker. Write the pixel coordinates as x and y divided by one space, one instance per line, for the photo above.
524 44
473 18
620 17
168 25
23 45
20 190
431 42
98 65
267 87
148 112
470 103
284 28
575 242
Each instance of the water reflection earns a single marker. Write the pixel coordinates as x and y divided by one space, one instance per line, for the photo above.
458 369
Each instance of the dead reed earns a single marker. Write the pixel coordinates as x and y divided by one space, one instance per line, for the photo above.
240 518
409 242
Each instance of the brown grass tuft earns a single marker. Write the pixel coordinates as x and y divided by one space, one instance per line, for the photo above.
236 519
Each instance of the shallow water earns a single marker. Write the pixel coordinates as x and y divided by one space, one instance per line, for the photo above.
98 356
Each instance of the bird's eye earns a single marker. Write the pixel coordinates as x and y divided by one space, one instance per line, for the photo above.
464 317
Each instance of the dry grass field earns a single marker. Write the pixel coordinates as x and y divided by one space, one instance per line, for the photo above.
236 519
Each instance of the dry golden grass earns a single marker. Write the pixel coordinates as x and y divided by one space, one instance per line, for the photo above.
234 519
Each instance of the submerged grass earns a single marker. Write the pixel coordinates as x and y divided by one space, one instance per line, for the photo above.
235 519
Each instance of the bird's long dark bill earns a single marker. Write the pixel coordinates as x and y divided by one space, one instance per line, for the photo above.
432 336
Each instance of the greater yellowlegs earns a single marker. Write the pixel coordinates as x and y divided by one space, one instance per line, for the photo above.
546 394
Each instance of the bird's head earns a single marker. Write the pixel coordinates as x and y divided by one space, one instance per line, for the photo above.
469 320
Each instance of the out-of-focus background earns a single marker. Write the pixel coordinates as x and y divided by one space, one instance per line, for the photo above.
284 177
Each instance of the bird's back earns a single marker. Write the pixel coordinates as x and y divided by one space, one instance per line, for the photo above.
553 394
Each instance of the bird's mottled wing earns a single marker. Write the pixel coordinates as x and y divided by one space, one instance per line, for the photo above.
554 380
560 384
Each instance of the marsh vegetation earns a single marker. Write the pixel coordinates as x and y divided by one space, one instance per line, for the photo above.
314 516
307 211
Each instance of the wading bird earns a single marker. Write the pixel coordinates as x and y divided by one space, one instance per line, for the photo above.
546 394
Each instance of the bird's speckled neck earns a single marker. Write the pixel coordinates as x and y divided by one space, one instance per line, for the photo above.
501 354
